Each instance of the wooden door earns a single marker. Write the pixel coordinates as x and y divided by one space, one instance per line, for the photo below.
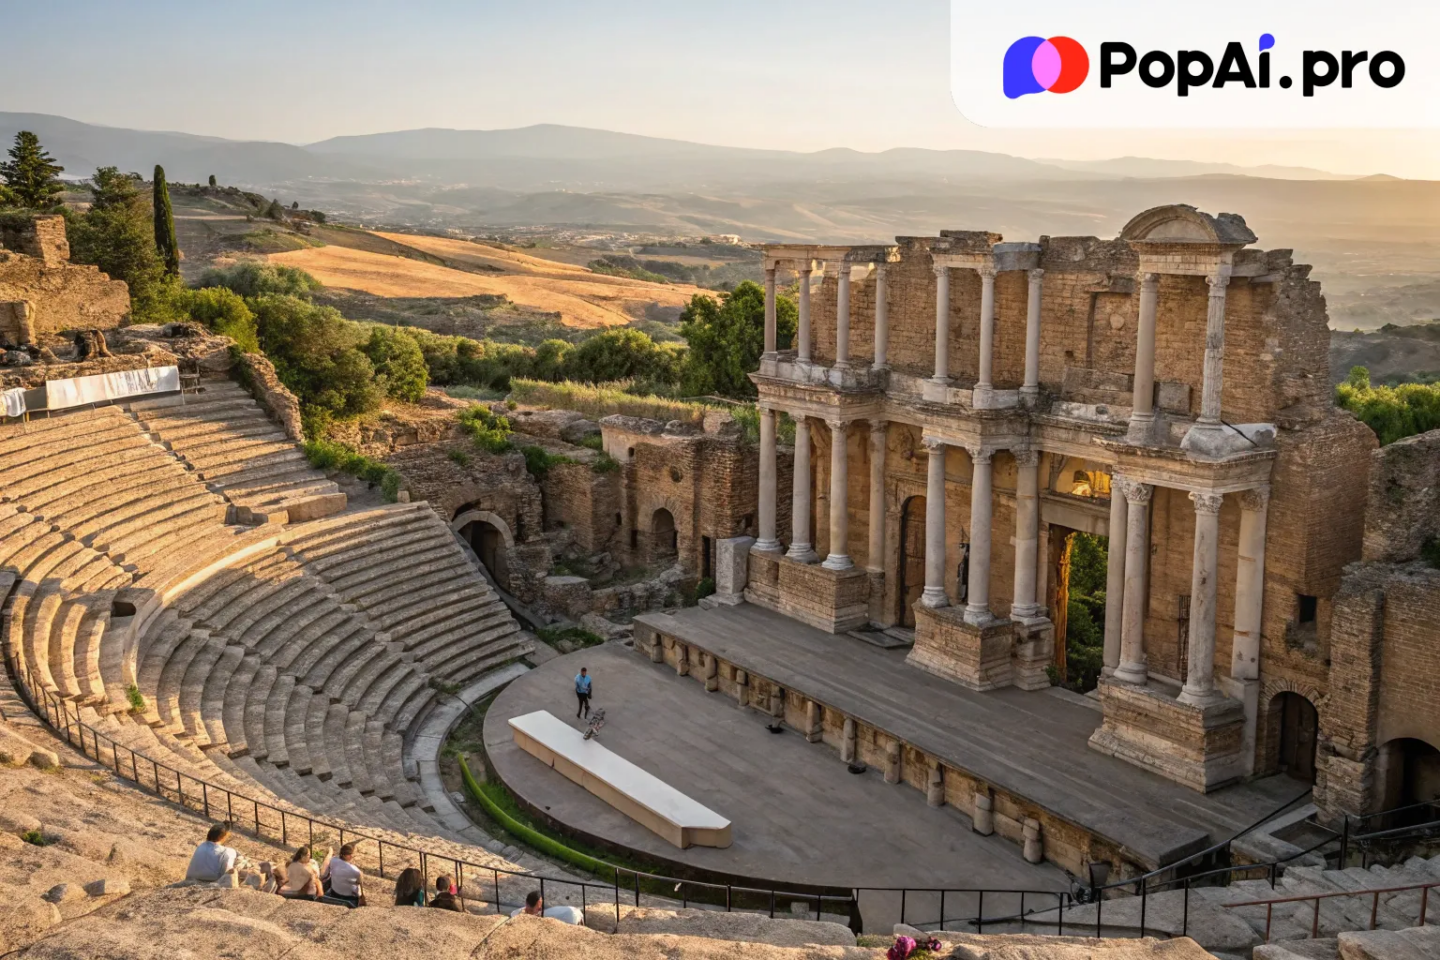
912 558
1299 733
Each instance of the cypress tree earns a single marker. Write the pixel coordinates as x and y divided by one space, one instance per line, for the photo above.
31 174
165 242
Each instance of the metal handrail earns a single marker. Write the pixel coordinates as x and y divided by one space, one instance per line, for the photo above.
1269 905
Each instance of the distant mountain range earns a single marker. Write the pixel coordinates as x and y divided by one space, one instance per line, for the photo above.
552 157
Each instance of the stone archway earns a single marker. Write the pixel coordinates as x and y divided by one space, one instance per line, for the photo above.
1289 729
490 538
1409 775
664 538
912 558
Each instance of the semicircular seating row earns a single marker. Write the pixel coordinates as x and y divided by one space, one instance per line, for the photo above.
280 661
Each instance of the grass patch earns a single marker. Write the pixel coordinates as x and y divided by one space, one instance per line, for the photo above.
538 460
458 456
579 637
594 441
474 393
605 464
328 455
490 431
602 401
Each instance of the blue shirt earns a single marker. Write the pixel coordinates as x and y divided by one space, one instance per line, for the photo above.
582 684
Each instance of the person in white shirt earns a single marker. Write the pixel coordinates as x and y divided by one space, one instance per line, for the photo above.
535 907
212 859
343 878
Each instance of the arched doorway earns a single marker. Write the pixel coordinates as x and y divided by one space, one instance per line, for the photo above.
490 538
912 557
1411 776
664 541
1299 734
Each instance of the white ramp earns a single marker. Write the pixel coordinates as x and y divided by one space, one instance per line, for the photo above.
642 797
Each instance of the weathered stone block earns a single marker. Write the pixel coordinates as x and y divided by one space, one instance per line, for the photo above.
978 657
1197 746
831 600
732 567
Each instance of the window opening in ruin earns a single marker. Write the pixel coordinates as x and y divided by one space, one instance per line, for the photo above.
707 569
1299 735
1308 607
1076 597
912 558
619 520
631 453
664 538
121 608
634 539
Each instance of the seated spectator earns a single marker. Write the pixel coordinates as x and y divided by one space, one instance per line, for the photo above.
302 877
342 878
410 888
446 896
212 859
535 907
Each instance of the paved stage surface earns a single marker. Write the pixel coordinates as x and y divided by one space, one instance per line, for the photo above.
797 814
1031 743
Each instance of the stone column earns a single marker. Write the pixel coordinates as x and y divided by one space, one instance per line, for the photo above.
769 313
842 316
1027 533
977 608
984 382
875 553
768 540
934 595
1142 414
1115 576
942 325
882 321
1132 667
1250 584
802 332
800 546
1199 687
1214 351
1030 389
839 509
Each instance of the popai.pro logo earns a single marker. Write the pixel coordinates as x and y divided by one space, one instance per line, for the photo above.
1035 65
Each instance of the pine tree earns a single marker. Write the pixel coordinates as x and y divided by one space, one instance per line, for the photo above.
212 181
31 174
165 242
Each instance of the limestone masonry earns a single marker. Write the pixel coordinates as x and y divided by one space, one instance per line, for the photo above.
42 292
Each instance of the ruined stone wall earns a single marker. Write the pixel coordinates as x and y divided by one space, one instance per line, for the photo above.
1275 329
1402 510
586 503
495 484
35 269
257 374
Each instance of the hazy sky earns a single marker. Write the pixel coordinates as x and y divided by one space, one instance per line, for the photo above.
790 74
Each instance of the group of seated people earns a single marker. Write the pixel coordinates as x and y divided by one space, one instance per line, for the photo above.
336 879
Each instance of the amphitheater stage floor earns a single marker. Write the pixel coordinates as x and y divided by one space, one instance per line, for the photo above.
797 815
1033 744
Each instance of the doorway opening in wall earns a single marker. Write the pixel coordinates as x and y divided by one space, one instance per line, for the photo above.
489 545
1299 735
707 552
912 558
1077 606
1411 775
664 540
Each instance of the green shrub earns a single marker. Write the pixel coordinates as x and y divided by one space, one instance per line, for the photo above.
255 278
605 464
579 637
538 460
594 441
490 432
1393 413
620 354
317 354
398 361
225 312
136 698
704 588
727 336
459 456
328 455
36 839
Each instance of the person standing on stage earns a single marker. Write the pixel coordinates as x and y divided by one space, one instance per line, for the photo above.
582 692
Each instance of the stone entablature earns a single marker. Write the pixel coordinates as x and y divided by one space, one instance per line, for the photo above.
1132 395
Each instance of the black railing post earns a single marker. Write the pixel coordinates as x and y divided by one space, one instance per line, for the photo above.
772 907
496 875
637 889
617 899
1185 915
980 913
1144 901
1099 909
1344 840
942 909
1060 911
205 797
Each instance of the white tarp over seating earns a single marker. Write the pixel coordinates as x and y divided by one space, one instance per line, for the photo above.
77 391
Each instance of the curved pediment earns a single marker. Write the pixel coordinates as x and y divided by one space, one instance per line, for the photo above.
1182 223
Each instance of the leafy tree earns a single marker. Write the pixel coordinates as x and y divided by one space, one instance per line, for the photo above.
31 174
726 338
317 355
117 235
550 360
165 242
622 354
1394 413
7 196
212 181
226 313
398 361
254 278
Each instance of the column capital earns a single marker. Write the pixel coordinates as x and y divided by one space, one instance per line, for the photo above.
1218 281
1255 499
1035 274
878 426
770 273
986 271
942 270
880 269
1026 458
1145 277
805 268
980 454
933 444
837 426
1134 491
1207 502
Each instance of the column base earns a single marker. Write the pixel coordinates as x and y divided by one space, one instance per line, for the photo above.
978 616
838 561
766 546
835 601
1132 673
802 553
974 656
1200 698
1199 747
936 389
934 598
1029 394
982 396
1142 429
